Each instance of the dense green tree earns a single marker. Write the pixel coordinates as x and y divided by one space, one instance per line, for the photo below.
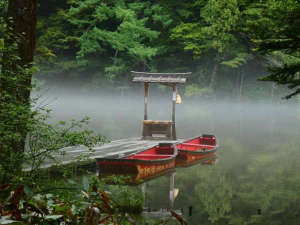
118 28
57 41
15 83
213 32
93 41
274 26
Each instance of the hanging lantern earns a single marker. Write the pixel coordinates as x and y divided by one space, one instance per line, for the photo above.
178 99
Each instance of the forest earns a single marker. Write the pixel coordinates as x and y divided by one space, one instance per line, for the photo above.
227 45
239 50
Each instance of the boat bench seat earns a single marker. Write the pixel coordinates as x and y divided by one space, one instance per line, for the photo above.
152 155
149 156
196 145
163 151
157 122
151 127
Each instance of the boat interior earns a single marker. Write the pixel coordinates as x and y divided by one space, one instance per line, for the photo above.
160 151
204 142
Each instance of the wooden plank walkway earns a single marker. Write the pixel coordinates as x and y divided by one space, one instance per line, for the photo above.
118 147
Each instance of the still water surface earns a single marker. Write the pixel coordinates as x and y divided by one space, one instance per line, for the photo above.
256 179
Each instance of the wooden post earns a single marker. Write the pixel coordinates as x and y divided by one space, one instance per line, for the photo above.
146 85
173 112
146 100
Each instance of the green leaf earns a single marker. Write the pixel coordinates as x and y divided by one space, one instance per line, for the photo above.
6 220
85 183
28 191
53 217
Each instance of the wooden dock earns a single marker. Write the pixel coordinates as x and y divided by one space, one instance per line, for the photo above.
121 147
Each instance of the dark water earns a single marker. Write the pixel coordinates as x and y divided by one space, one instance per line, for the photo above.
256 179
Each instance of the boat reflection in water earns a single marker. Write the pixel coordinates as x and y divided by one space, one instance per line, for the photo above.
191 160
135 179
210 160
140 173
173 192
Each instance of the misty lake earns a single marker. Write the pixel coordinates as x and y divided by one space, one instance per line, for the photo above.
256 179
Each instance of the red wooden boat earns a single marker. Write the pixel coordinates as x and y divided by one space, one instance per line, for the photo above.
196 149
141 165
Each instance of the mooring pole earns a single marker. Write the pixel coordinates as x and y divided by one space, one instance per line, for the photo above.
146 85
173 111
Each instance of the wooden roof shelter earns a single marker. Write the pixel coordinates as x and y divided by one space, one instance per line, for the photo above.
160 77
151 127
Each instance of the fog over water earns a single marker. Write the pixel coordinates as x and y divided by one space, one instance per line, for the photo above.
118 116
258 157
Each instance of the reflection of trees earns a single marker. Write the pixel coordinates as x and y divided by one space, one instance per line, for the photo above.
214 192
271 187
157 195
246 186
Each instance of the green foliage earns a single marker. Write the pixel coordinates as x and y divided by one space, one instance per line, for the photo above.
129 198
15 113
215 193
214 33
221 18
56 35
274 28
217 19
194 90
25 135
99 42
127 38
46 141
239 60
90 204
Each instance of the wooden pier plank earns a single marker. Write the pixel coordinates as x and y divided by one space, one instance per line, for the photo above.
117 147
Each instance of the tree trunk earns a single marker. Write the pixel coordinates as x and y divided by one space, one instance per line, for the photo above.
21 31
241 86
15 83
272 91
237 83
213 78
